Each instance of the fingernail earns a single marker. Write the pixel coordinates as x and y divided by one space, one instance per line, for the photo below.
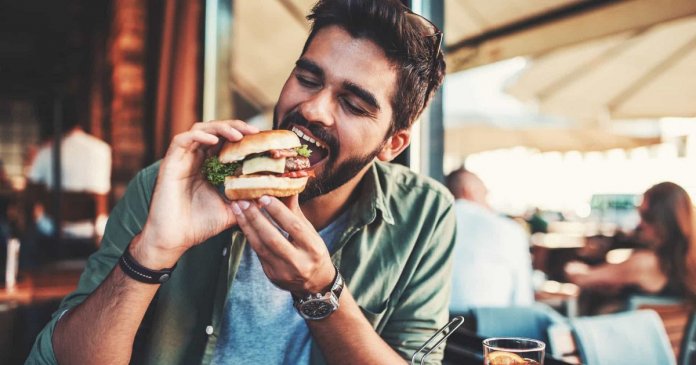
235 208
244 204
265 200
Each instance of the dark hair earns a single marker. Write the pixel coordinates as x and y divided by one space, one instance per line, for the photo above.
407 42
70 112
670 212
455 180
71 115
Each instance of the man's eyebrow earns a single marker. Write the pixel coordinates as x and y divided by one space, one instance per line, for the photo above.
361 93
310 66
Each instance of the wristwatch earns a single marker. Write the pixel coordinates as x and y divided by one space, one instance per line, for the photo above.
319 306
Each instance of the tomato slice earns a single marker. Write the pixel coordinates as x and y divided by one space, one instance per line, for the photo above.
299 173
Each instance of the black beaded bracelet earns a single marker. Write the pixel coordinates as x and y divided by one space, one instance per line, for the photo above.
142 274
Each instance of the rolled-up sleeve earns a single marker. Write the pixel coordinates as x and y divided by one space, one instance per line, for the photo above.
125 221
423 306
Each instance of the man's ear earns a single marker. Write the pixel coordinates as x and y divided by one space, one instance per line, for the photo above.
395 145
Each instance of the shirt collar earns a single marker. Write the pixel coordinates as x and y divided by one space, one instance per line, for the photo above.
373 197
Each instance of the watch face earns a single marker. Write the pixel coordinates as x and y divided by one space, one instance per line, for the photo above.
317 309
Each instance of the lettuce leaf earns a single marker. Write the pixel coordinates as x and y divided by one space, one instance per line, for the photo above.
303 151
216 171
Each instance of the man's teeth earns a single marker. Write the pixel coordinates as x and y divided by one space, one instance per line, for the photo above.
307 138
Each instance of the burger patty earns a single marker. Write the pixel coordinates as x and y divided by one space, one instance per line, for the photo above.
295 163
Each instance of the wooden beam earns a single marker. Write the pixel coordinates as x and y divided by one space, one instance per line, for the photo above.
548 33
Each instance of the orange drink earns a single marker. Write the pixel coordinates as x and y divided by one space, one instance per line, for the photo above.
513 351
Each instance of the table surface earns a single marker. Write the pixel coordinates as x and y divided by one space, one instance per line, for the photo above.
39 285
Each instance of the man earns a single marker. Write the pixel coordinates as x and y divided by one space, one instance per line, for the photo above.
491 262
366 72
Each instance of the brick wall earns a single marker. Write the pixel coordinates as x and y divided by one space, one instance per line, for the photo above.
127 115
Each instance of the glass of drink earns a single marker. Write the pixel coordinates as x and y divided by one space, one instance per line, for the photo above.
513 351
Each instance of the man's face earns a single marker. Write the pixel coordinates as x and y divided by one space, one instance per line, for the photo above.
337 99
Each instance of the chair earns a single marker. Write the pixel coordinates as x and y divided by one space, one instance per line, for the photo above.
523 321
73 207
687 353
673 311
635 338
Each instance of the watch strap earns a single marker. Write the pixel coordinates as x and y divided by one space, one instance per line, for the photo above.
336 288
140 273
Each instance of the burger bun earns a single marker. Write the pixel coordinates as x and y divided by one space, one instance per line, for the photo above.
254 186
256 143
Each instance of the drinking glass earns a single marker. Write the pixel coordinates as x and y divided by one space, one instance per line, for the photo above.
513 351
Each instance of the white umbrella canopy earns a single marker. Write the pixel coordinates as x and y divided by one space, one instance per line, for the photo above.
649 73
469 139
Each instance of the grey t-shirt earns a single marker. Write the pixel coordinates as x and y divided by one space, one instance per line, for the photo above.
260 324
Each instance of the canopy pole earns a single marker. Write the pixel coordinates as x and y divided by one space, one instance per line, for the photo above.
217 97
427 152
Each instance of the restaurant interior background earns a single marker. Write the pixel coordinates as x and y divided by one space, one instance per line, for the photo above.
569 106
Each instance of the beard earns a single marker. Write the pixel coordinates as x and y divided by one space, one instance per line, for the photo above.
334 174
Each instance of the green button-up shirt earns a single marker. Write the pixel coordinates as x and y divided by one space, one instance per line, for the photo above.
394 256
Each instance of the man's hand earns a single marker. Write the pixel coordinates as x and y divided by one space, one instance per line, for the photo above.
185 208
301 263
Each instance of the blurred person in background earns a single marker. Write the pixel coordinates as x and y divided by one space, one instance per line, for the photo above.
491 259
662 262
85 167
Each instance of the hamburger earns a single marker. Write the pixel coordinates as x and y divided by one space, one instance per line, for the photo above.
267 163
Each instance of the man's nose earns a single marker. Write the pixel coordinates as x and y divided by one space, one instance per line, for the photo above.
318 108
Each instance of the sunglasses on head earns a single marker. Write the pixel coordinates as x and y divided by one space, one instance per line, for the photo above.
431 31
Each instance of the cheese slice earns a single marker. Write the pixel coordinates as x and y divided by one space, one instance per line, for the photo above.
263 164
